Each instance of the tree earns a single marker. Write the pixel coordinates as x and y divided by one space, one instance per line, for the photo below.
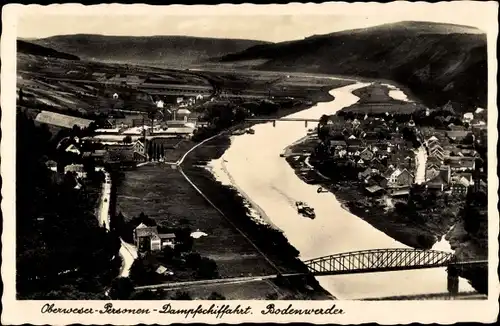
323 120
193 260
155 152
181 295
185 241
21 94
239 114
272 296
127 139
150 151
168 254
468 140
143 270
121 288
207 269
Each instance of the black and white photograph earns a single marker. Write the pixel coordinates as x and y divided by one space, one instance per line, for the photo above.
253 154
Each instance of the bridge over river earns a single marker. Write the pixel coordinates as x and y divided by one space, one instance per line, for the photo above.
274 120
355 262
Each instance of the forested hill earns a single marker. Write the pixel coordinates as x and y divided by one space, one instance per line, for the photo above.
439 62
145 49
35 49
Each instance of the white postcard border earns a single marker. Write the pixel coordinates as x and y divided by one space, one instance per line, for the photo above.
382 312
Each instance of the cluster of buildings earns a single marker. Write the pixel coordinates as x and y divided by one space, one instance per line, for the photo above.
388 163
118 153
377 148
139 128
451 166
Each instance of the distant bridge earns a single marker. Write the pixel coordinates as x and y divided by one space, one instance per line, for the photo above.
274 120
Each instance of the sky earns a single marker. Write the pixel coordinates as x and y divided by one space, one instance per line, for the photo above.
266 23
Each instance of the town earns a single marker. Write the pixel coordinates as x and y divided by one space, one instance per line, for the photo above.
411 174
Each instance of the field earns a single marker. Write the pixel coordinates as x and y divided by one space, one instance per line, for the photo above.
164 195
83 87
254 290
265 83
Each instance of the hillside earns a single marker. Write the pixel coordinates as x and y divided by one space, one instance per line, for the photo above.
438 62
35 49
168 50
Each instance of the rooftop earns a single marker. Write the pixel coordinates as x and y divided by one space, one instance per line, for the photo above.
62 120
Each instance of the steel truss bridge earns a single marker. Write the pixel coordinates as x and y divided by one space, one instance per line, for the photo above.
383 260
364 261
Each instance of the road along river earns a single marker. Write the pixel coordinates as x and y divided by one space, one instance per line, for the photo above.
252 164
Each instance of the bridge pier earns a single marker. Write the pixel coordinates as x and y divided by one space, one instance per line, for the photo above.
274 123
453 281
305 123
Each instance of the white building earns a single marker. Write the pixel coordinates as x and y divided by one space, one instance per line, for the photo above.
73 149
77 169
468 116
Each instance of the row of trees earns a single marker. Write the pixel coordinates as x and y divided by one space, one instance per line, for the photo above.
155 151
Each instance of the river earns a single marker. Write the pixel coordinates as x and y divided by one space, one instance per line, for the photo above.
252 164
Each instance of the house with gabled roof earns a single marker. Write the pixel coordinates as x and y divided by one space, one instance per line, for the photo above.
442 180
459 185
462 163
147 238
73 149
457 135
51 165
437 152
433 162
77 169
366 154
355 123
432 139
62 120
398 177
354 150
431 173
353 142
437 183
374 190
364 174
377 165
338 144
